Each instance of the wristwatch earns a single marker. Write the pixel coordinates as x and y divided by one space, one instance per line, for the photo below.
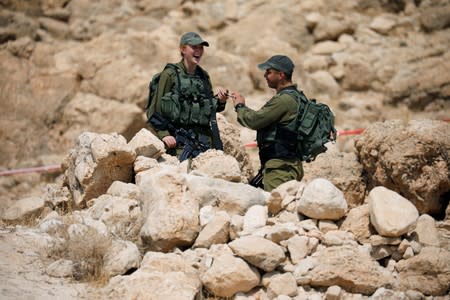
239 105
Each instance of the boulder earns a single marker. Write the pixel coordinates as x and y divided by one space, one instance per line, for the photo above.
411 159
170 211
322 200
350 268
160 276
427 272
229 275
391 214
258 251
96 161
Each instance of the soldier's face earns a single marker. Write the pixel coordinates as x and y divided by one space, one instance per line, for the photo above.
272 77
192 53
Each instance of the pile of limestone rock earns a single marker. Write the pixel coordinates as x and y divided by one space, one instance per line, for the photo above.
160 229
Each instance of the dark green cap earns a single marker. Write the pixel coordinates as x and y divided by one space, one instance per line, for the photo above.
193 39
280 63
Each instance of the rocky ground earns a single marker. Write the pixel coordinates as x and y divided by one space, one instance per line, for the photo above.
70 66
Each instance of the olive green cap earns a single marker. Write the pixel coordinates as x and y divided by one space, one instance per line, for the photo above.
193 39
280 63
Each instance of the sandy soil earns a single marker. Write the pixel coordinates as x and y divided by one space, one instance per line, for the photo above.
22 270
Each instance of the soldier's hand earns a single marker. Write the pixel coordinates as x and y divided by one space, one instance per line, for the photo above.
237 98
222 94
170 141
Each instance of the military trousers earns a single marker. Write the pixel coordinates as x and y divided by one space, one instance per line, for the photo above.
277 171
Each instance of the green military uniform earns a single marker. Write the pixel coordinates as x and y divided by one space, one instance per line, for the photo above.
187 102
279 164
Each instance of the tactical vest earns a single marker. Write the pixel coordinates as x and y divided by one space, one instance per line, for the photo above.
278 140
190 102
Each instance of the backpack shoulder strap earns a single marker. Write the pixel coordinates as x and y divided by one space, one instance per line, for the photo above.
299 95
176 69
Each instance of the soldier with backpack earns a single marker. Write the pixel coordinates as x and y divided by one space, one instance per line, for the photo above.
290 128
182 107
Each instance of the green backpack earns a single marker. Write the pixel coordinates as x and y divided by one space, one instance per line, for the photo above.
153 85
315 127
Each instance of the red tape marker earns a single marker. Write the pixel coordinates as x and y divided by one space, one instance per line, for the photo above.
42 169
350 132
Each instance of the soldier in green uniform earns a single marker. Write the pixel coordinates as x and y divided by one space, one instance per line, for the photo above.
275 124
184 98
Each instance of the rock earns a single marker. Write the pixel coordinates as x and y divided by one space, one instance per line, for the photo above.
282 284
428 272
86 112
96 161
426 231
171 219
358 74
327 48
322 200
56 28
164 276
333 293
254 218
225 195
298 248
418 89
144 143
124 190
278 232
350 268
229 275
331 29
121 215
121 257
232 145
26 208
391 214
60 268
338 238
216 231
216 164
321 82
435 17
410 159
284 194
258 251
383 24
357 222
345 172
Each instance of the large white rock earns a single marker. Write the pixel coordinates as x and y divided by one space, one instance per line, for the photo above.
95 163
170 210
217 231
426 231
229 275
120 215
145 143
255 217
124 190
121 257
225 195
259 252
391 214
216 164
322 200
160 276
350 268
